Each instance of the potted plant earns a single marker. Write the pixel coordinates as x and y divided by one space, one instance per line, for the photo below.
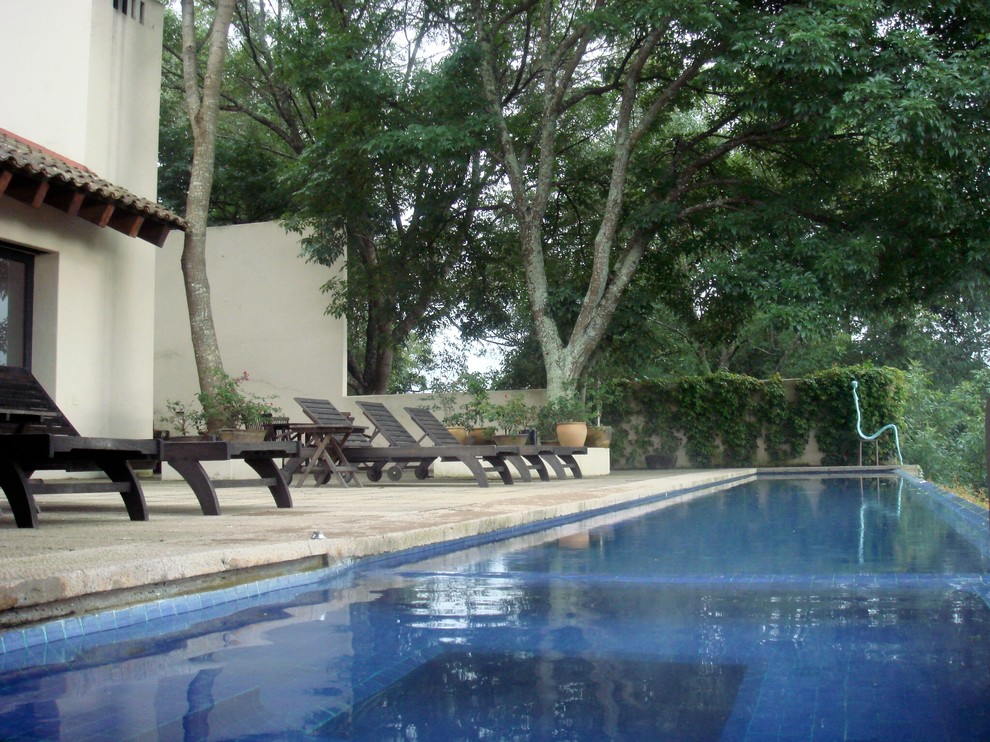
455 420
477 410
233 413
512 417
565 417
457 425
601 392
184 419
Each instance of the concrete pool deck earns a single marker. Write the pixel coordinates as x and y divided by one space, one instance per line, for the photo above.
87 555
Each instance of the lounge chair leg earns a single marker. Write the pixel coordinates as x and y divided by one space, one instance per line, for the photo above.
120 471
554 463
480 475
536 462
290 467
267 470
194 474
521 466
501 468
14 482
571 463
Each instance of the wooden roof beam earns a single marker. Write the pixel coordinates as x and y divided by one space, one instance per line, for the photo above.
97 212
154 232
127 222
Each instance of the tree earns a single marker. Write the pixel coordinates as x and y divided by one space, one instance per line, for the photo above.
684 113
374 149
202 104
406 220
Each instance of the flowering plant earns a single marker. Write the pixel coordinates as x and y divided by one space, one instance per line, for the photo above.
185 419
228 406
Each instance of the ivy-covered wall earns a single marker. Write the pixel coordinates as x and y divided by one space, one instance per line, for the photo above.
730 420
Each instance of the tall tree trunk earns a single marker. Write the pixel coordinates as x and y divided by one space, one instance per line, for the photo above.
565 359
203 108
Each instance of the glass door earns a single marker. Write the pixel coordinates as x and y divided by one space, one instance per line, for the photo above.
16 284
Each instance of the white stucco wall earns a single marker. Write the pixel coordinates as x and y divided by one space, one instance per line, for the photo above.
269 315
92 97
92 345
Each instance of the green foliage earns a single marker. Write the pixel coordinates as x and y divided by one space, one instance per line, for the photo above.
566 408
476 408
944 432
514 415
816 196
825 401
182 418
823 170
228 406
722 417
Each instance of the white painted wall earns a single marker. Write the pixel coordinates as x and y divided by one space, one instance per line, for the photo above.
93 346
269 314
83 80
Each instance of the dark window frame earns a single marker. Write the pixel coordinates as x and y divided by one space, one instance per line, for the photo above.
26 258
130 8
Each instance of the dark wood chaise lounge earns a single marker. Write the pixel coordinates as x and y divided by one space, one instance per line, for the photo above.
186 457
36 436
539 456
471 456
352 450
403 450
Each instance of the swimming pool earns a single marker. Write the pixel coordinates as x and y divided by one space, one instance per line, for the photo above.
777 609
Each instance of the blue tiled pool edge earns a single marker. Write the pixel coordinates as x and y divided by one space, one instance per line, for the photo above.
972 521
97 622
100 621
968 518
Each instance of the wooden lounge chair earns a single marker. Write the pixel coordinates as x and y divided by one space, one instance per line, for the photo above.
333 445
322 442
357 452
539 456
403 451
36 436
471 456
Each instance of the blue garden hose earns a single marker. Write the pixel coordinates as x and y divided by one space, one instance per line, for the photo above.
863 436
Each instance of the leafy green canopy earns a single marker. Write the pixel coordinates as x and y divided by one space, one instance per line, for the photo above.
358 124
805 181
797 167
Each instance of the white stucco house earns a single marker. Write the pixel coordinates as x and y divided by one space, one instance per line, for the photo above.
79 226
91 295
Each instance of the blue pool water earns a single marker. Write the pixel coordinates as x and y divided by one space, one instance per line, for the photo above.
775 610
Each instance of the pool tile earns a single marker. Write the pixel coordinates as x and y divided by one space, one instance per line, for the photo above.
35 636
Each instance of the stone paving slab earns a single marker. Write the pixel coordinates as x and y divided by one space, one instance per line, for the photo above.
87 554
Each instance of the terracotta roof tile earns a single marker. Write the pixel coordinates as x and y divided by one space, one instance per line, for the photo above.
28 159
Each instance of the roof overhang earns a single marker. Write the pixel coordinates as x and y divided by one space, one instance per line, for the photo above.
37 176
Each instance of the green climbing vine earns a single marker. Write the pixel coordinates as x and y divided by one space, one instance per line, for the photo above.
826 402
721 419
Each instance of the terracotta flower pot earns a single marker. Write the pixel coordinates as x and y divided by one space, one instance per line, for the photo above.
510 440
599 437
240 435
480 436
572 433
